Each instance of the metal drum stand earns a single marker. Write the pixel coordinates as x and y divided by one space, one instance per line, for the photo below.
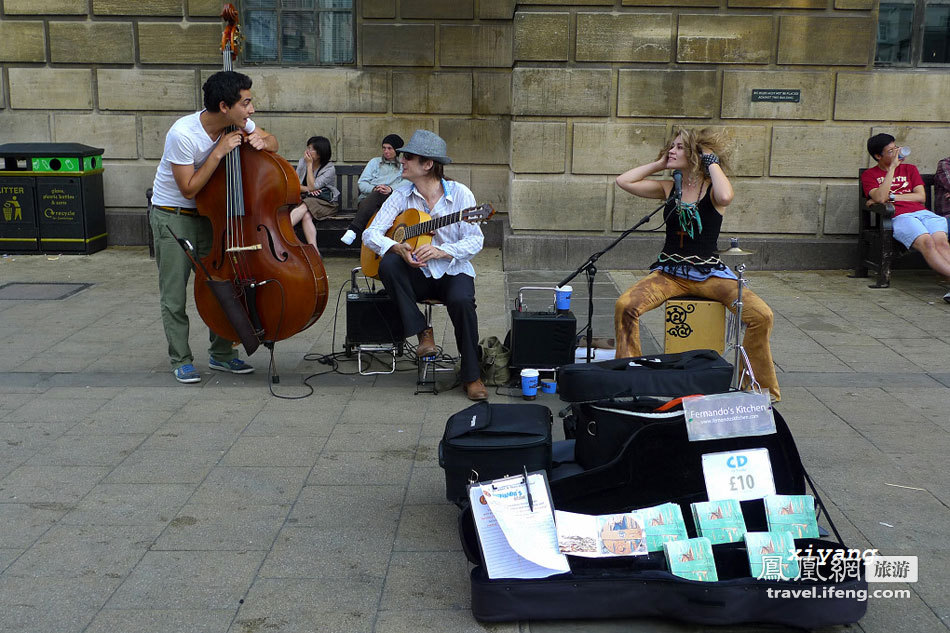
743 370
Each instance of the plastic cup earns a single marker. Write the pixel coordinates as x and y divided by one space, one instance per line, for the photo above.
548 386
562 298
529 384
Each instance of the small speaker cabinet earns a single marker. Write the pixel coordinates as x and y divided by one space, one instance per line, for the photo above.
372 319
542 340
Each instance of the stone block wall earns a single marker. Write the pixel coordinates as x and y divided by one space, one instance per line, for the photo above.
543 102
117 73
590 105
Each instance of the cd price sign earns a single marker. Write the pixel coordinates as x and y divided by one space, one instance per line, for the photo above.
740 475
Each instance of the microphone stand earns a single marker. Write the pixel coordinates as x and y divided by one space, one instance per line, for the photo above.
590 268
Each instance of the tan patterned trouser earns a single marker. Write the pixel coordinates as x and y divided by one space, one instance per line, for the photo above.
651 291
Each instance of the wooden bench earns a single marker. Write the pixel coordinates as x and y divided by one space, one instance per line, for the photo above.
331 229
877 248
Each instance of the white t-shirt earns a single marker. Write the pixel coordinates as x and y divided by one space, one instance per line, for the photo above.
186 143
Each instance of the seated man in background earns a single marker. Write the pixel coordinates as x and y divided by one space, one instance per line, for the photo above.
892 180
381 175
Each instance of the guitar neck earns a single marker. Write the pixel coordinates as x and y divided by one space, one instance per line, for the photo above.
435 223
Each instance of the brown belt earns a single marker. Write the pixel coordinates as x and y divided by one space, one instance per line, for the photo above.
178 210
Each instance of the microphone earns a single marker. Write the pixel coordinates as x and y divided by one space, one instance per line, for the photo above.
677 184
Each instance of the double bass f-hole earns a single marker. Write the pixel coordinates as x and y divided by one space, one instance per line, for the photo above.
282 257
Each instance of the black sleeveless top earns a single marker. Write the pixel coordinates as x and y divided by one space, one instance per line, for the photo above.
692 230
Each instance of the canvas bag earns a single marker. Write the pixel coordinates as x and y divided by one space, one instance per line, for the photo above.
493 361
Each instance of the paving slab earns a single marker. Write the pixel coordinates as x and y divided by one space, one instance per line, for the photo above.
129 502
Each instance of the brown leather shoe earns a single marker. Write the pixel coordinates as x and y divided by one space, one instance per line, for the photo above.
426 344
476 390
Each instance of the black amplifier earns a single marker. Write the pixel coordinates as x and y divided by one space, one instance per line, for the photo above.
372 319
542 340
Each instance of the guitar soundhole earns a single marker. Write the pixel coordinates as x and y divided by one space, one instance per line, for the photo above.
399 235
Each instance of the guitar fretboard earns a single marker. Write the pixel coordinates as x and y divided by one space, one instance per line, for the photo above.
435 223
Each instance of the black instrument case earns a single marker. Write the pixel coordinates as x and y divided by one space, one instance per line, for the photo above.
658 464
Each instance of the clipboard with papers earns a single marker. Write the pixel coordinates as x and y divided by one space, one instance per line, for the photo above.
514 520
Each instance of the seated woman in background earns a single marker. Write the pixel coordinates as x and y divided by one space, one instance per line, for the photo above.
317 187
688 264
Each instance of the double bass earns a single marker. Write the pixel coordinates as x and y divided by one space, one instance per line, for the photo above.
260 283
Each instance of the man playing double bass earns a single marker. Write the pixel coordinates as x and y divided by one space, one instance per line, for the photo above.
194 146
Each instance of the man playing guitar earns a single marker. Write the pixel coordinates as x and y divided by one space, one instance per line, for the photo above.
441 270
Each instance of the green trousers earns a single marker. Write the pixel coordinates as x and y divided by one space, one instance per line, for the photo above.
174 269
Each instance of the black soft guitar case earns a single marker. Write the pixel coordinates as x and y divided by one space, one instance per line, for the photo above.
698 371
487 441
656 465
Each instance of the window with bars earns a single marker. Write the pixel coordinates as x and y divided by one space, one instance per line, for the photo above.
298 32
913 33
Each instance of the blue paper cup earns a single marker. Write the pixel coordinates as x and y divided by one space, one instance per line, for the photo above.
548 386
529 383
562 298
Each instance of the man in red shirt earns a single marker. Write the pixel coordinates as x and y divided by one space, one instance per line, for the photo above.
892 180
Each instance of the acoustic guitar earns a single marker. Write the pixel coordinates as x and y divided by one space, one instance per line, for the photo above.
415 227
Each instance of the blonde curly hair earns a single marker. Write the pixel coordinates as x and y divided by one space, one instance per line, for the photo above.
697 143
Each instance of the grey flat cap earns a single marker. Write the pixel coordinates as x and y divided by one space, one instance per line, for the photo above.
427 144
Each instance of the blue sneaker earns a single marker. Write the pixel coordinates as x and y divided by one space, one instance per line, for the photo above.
235 366
187 373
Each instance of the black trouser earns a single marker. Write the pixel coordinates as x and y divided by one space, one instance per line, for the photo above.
365 210
407 286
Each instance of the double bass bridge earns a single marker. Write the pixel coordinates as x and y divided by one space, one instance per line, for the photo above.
239 249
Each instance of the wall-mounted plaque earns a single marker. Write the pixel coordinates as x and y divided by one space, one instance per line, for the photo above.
775 95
